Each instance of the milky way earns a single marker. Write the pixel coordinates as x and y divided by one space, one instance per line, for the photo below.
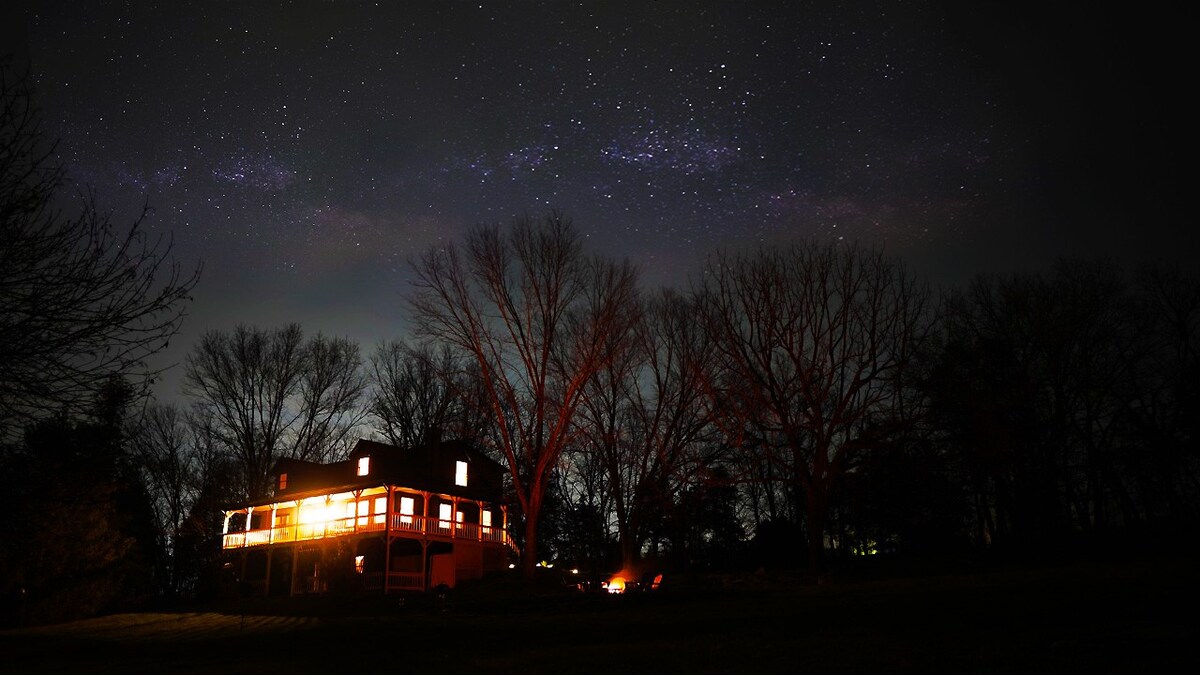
306 151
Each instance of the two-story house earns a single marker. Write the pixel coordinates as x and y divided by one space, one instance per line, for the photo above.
386 519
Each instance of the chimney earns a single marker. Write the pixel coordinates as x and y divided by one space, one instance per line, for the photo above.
433 436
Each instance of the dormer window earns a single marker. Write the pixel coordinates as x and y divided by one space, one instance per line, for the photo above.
364 466
460 473
283 481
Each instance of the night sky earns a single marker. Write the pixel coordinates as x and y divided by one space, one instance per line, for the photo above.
306 151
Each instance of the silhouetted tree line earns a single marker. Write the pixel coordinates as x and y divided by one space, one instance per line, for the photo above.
791 408
83 302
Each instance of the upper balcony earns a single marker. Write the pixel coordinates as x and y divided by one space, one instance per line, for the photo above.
396 511
405 525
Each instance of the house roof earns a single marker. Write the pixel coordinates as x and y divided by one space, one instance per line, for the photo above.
429 468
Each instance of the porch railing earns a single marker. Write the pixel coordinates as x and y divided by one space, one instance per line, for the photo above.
406 581
374 523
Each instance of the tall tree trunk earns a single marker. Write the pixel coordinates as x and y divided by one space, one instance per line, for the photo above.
529 559
815 502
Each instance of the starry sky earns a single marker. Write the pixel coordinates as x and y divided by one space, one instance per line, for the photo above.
306 151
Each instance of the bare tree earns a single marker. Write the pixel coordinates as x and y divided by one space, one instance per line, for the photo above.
672 427
271 394
644 419
602 471
332 386
166 457
811 344
1164 404
80 299
538 318
1067 399
421 391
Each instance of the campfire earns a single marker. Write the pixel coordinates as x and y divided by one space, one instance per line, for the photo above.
614 585
625 582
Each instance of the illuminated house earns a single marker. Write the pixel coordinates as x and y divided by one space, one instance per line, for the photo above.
386 519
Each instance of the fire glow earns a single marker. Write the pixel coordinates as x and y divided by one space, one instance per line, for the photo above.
615 584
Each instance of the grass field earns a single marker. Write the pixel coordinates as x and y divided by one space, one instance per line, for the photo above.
1080 618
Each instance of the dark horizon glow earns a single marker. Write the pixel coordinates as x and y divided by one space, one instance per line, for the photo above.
306 151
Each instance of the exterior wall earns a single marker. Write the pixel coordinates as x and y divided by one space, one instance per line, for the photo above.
362 540
379 524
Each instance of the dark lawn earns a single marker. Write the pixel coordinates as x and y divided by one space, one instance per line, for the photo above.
1081 618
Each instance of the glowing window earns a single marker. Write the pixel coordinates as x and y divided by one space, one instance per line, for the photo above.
364 466
406 509
364 510
283 481
460 473
444 511
380 509
485 518
359 561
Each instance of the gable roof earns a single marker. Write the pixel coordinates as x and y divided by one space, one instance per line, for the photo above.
429 468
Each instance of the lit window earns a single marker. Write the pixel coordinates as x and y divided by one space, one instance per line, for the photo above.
283 481
485 518
458 519
380 509
406 509
364 510
460 473
364 466
444 511
359 561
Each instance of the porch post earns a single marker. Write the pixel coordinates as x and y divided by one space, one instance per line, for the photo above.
424 564
295 564
425 541
358 508
246 541
267 582
387 539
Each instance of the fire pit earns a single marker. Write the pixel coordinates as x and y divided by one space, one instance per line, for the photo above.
616 585
621 583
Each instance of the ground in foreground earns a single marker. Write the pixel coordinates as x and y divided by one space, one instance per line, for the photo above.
1094 618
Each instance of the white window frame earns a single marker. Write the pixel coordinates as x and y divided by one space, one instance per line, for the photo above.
407 504
380 510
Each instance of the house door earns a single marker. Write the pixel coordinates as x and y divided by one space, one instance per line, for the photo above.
441 569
